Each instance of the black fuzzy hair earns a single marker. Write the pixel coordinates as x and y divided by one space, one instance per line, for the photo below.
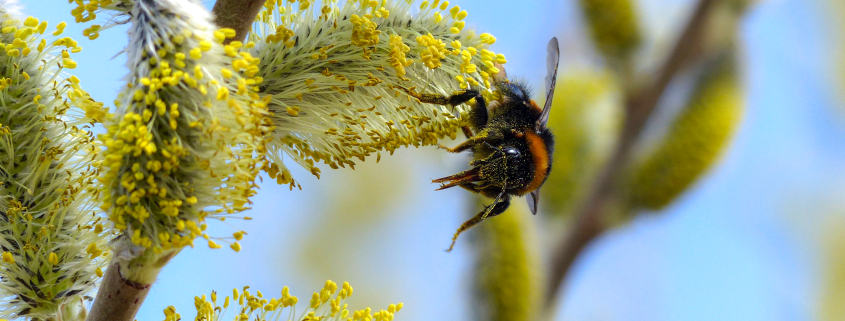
515 89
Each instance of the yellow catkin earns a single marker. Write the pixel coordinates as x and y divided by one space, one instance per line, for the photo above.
613 25
693 142
186 145
327 305
341 69
833 271
47 177
507 267
837 8
86 11
585 118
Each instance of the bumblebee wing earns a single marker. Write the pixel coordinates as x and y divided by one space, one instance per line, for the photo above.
533 199
552 59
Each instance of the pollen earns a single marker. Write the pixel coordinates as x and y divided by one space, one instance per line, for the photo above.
328 305
8 258
196 53
364 33
53 258
397 59
434 50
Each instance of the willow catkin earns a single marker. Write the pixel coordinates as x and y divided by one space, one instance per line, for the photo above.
327 305
507 267
51 241
333 70
694 141
85 11
187 140
837 9
832 291
585 118
613 25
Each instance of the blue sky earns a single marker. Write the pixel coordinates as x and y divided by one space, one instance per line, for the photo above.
736 247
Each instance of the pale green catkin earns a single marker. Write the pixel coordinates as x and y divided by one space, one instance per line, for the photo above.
507 268
50 236
585 118
832 290
694 141
187 139
614 26
333 72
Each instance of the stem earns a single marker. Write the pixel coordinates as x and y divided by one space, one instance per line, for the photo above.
126 285
639 107
118 298
236 14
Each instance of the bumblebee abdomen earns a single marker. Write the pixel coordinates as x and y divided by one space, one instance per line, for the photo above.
539 147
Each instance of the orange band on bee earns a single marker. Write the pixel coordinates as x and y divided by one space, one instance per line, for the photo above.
540 155
534 106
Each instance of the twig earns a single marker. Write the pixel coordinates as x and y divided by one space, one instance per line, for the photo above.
639 106
126 285
118 298
236 14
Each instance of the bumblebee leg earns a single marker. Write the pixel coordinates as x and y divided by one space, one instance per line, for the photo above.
483 137
479 187
470 187
496 202
498 207
464 177
478 113
467 132
436 99
461 147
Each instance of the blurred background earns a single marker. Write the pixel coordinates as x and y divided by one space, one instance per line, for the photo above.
730 206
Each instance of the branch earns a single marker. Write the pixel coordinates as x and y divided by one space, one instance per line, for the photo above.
118 298
639 107
236 14
125 286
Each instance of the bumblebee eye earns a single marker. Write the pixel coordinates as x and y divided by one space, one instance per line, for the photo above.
511 151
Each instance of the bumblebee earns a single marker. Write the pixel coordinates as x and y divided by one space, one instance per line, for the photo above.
508 138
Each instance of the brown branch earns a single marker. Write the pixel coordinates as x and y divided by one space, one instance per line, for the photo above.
118 298
126 285
236 14
639 107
